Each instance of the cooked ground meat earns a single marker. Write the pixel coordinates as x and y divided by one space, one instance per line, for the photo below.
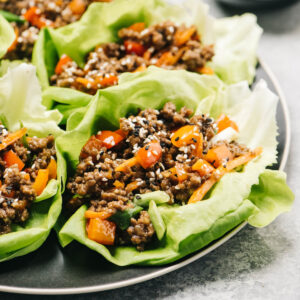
141 230
158 45
53 13
98 183
16 189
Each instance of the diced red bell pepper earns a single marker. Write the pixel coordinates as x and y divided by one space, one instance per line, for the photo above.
101 231
11 158
134 48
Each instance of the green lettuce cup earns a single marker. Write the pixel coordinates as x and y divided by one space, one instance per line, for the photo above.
20 106
254 193
235 41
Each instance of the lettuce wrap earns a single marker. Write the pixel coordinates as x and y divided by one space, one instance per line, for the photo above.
255 193
235 41
20 106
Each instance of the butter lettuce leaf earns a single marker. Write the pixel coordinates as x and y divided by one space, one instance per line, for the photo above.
7 35
238 196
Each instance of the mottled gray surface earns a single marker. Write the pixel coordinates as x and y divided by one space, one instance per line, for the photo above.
256 263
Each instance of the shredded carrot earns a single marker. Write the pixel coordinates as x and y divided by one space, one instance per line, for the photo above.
140 69
86 82
12 137
132 186
139 27
107 80
199 146
52 168
13 46
101 231
61 63
118 184
243 159
200 192
126 164
147 55
11 158
206 70
183 36
93 214
41 181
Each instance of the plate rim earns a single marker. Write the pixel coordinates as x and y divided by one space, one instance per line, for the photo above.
225 238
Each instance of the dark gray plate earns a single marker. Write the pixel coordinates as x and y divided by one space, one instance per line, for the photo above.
76 269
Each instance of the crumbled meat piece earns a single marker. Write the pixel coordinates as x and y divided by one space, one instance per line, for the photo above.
141 230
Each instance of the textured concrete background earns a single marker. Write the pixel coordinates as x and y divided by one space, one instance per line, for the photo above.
256 263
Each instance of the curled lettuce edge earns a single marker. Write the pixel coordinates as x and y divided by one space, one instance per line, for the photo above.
7 36
237 197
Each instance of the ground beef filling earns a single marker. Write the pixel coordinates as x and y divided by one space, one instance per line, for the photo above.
155 45
16 191
97 184
55 13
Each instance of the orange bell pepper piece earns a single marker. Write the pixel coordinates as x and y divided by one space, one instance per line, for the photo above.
109 138
12 137
77 7
224 122
52 168
62 62
149 155
41 181
139 27
101 231
121 133
11 158
203 167
218 156
186 135
103 215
